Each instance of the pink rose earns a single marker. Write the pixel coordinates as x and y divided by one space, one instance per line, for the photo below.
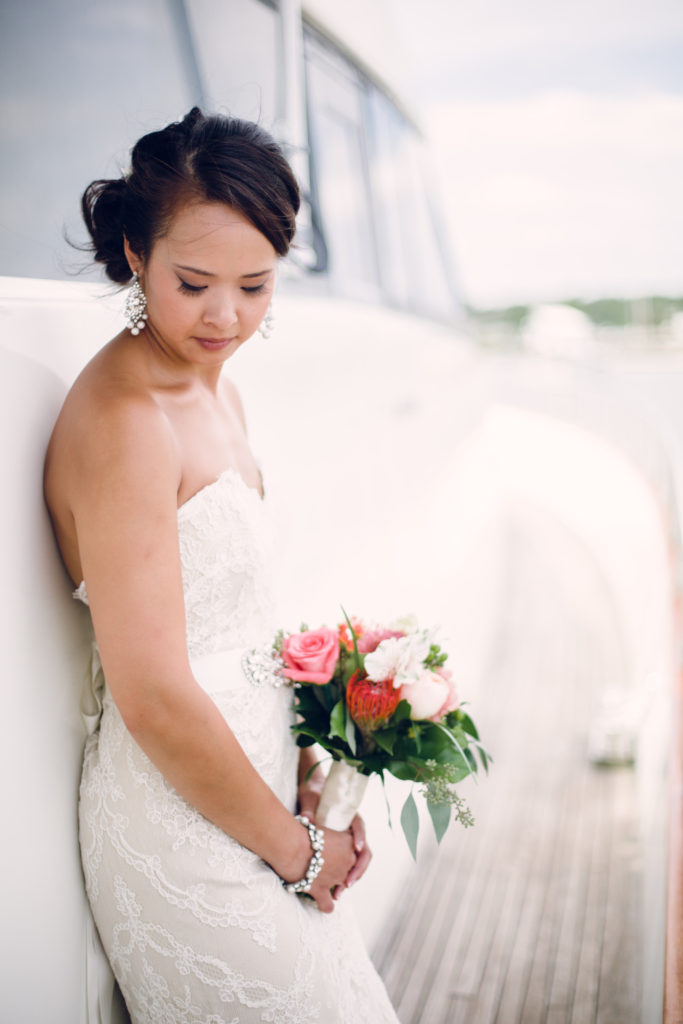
311 657
431 696
452 702
370 640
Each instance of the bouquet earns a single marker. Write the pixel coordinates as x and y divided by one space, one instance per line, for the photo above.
380 700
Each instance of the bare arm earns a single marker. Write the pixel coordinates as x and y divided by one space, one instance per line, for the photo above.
124 506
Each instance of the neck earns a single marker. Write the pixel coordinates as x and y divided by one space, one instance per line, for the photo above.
165 370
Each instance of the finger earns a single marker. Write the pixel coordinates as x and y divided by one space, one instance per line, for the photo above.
308 803
360 867
358 834
324 901
307 808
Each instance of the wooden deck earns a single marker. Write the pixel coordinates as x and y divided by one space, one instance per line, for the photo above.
535 914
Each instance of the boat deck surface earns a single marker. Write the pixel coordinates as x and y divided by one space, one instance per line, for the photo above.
534 916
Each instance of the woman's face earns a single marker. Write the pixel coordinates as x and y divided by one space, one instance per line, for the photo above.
208 283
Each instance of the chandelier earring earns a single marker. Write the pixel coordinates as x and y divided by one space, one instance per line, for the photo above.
267 325
135 309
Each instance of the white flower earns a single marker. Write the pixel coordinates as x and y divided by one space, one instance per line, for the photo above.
406 624
398 658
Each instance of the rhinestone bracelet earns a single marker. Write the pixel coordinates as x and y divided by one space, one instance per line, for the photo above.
317 839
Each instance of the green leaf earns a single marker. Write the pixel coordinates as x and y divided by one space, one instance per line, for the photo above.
386 800
455 743
338 720
385 739
401 713
410 822
484 755
300 729
356 653
468 725
350 730
441 818
313 767
326 694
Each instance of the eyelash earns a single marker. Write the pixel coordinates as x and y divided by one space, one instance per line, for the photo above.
194 289
190 289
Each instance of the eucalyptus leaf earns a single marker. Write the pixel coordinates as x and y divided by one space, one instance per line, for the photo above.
386 801
441 818
410 822
401 770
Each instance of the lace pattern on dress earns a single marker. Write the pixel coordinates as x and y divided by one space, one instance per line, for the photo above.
196 927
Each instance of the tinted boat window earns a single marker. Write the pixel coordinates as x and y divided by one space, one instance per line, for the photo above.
413 261
80 80
370 185
238 45
335 105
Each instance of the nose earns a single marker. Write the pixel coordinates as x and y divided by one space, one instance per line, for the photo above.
221 310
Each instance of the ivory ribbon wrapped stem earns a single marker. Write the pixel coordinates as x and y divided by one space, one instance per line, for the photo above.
341 796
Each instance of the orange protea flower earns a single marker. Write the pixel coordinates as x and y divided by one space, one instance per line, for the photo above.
371 704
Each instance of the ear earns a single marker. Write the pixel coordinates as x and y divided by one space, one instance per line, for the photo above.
135 262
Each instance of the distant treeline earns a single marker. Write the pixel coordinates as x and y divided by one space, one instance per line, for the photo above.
651 310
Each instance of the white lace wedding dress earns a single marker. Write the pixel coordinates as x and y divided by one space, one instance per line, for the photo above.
196 927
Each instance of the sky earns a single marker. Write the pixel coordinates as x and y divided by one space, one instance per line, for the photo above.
556 132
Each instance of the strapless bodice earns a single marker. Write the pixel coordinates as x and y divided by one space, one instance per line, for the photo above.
226 548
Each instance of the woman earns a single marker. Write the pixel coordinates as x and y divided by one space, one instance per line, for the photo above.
189 787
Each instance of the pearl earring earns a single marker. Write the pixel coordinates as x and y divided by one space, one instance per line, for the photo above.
268 323
136 307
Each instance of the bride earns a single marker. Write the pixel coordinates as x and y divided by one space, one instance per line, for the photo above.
193 857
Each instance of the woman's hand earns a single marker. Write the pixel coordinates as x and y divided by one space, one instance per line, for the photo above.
308 805
311 781
363 852
340 857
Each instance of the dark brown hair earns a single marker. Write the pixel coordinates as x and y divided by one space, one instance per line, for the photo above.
203 158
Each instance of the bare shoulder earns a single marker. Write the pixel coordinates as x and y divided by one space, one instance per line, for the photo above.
112 431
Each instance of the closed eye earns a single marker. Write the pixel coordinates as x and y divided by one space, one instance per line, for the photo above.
254 289
191 289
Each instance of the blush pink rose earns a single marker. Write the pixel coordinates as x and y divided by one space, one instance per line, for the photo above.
311 657
452 702
431 696
370 640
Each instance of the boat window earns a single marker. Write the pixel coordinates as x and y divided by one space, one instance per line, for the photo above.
370 183
238 44
413 257
339 171
81 80
68 102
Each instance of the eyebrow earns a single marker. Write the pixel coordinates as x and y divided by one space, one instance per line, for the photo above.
207 273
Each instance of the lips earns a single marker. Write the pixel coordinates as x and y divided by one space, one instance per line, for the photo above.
214 343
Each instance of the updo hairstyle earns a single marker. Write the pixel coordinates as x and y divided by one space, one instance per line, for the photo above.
199 159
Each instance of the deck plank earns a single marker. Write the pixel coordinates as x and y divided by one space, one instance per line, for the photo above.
532 917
